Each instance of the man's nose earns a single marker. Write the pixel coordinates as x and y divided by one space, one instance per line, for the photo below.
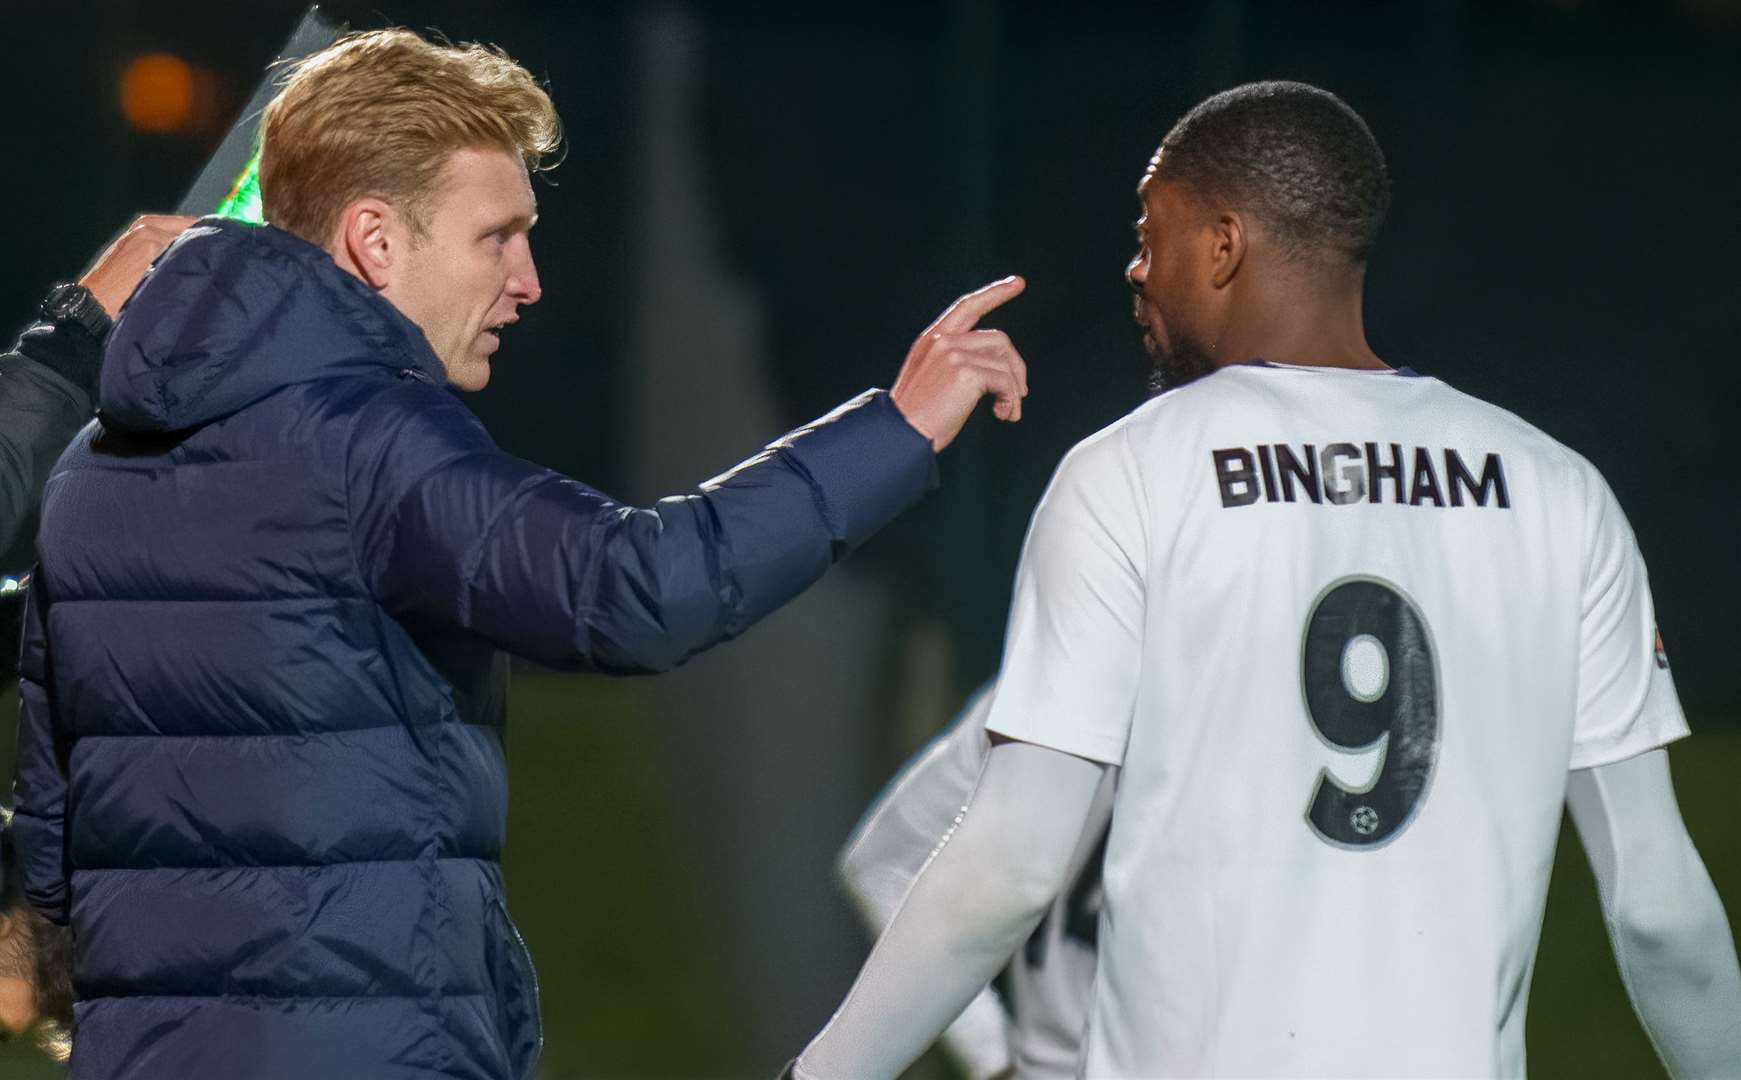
1136 271
523 284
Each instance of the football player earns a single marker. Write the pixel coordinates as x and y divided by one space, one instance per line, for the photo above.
1352 639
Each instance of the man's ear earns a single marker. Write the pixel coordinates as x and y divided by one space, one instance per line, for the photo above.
369 242
1226 248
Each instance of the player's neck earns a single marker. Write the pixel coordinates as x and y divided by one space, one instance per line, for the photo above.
1311 327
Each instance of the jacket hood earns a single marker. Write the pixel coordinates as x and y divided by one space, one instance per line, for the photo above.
232 312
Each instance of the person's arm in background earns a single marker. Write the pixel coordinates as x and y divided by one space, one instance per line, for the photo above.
48 389
48 382
971 907
894 840
1671 937
453 532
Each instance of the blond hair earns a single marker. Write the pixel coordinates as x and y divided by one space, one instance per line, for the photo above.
378 113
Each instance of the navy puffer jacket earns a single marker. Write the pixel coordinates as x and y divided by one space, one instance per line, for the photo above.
261 766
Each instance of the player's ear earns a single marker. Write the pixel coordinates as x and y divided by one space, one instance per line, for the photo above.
1226 248
366 241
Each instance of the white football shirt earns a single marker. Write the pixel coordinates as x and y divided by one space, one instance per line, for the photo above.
1345 632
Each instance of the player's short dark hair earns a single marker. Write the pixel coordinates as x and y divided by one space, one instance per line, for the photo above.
1295 156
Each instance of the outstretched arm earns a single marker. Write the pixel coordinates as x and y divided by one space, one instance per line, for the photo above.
892 844
969 909
1671 937
451 531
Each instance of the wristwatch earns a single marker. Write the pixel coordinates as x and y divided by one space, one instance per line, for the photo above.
71 304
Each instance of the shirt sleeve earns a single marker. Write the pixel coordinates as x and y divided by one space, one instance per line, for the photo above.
902 827
1073 650
1626 696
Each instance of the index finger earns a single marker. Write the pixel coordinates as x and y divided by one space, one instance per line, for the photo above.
966 312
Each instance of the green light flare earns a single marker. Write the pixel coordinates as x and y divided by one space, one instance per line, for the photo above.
243 201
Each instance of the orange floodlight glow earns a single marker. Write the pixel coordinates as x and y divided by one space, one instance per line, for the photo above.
157 92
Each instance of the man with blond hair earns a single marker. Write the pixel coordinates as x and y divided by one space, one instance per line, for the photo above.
261 766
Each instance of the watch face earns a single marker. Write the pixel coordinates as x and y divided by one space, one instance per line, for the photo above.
72 303
63 300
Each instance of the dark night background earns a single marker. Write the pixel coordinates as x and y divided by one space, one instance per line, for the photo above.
804 188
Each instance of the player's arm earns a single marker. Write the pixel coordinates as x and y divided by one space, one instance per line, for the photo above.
968 910
895 838
1671 937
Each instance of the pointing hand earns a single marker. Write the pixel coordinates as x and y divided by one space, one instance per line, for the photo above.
952 365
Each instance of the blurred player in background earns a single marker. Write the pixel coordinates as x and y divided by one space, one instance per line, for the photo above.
1352 640
1037 1032
261 769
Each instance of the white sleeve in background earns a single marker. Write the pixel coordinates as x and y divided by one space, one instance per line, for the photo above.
971 906
1671 937
1626 696
898 833
901 828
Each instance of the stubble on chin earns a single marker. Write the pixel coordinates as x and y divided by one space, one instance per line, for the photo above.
468 375
1177 365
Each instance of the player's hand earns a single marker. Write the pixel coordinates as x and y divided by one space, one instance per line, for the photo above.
116 273
952 365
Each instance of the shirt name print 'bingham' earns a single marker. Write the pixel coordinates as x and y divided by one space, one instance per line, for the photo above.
1343 473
